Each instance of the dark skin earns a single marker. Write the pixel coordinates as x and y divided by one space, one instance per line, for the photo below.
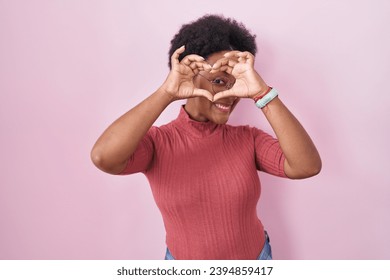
120 139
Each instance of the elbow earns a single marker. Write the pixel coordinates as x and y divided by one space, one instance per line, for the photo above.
314 170
304 172
103 163
97 159
316 166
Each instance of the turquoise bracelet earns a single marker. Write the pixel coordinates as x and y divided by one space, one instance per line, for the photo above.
261 103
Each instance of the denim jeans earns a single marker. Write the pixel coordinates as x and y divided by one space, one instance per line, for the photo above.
265 254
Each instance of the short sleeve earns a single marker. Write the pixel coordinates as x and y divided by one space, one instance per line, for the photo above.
269 154
143 155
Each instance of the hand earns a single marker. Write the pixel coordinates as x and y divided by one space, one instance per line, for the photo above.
179 83
241 65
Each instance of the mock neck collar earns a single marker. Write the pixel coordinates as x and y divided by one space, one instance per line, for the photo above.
196 128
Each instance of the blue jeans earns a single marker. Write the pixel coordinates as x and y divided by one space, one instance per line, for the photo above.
265 254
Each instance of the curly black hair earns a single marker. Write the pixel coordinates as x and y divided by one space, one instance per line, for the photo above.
210 34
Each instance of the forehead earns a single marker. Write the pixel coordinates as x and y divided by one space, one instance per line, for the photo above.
212 58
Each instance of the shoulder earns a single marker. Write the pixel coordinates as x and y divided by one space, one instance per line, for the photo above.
161 132
241 133
242 130
246 133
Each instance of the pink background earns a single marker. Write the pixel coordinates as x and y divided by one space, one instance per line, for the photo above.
69 68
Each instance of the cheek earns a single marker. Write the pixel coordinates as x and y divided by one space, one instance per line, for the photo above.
206 102
196 81
200 82
202 103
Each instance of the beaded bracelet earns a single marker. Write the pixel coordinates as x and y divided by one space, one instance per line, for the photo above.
267 98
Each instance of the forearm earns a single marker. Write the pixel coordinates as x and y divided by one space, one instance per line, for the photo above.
120 140
302 157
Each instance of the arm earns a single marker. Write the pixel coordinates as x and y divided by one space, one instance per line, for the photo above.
302 158
120 140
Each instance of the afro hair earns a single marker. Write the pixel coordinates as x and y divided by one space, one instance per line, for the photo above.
210 34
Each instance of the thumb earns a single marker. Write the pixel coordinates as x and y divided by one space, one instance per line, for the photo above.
223 94
203 93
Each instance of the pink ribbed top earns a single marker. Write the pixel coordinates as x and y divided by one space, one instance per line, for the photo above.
204 180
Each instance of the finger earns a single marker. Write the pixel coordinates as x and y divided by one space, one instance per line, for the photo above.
207 67
203 93
224 62
225 68
244 57
199 66
231 54
247 56
187 60
224 94
176 54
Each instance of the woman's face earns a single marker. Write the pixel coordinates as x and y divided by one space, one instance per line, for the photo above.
200 108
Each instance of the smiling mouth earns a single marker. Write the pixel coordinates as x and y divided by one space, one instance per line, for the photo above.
223 107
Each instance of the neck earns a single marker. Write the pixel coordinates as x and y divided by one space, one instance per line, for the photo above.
194 114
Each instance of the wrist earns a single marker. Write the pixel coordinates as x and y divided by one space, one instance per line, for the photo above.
266 98
262 93
165 95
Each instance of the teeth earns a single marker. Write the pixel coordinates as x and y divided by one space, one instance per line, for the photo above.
222 106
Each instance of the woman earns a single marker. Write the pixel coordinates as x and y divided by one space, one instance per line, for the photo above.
203 172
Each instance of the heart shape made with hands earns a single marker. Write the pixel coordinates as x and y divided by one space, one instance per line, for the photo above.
244 81
240 79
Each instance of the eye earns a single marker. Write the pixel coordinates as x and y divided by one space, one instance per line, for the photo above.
220 81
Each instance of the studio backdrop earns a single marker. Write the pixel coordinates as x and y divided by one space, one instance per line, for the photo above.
70 68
